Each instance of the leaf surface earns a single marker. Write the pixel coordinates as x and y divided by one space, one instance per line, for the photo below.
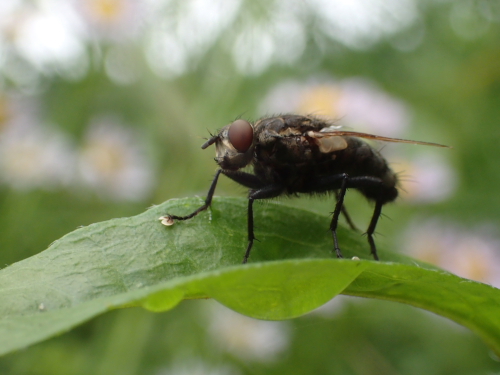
137 261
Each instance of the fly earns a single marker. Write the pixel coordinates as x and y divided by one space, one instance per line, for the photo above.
293 154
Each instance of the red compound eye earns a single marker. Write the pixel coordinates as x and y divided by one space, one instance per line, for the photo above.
240 135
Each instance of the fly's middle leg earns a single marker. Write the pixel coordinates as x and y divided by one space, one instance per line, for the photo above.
346 215
338 209
270 191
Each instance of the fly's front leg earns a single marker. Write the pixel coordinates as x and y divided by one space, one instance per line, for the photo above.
251 236
169 219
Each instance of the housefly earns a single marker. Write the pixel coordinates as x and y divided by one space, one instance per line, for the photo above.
293 154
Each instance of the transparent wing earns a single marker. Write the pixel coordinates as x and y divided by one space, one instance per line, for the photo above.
337 133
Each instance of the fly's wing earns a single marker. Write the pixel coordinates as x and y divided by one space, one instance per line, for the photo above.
321 136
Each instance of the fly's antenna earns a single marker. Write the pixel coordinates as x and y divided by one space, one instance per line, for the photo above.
210 141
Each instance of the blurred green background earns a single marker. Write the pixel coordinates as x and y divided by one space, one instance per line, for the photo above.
104 105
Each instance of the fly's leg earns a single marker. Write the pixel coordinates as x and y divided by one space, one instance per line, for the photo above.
251 236
208 201
257 191
336 213
371 228
269 191
340 183
346 214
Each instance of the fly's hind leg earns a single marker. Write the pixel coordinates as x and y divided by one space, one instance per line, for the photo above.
371 228
346 182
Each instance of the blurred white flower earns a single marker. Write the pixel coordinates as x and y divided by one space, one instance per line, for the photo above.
253 50
113 162
357 102
275 35
288 96
364 106
184 34
426 178
473 254
33 155
247 338
279 36
47 35
361 23
178 33
114 20
9 18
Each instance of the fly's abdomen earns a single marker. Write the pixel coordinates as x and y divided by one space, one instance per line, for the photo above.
360 159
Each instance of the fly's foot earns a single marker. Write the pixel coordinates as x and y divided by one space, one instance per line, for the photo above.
338 253
167 220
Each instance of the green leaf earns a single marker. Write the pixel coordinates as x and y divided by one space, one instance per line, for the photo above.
139 262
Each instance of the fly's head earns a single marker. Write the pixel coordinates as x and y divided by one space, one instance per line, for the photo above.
234 145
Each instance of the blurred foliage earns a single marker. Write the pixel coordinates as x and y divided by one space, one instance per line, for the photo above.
442 63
